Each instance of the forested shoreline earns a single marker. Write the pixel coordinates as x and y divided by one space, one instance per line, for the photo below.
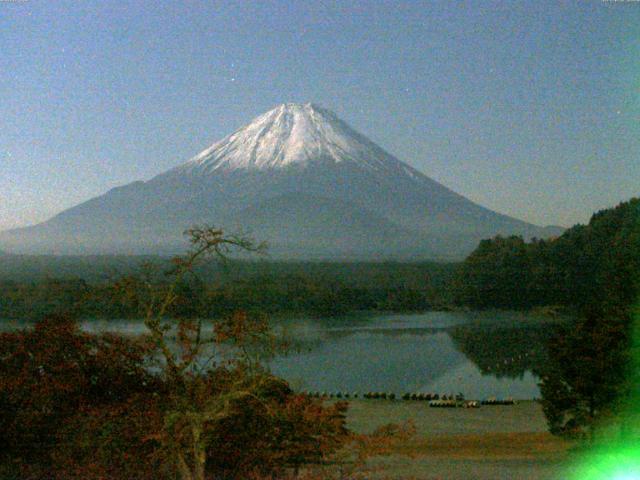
33 286
591 378
588 264
593 264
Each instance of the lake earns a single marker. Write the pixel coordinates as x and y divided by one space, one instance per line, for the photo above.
478 354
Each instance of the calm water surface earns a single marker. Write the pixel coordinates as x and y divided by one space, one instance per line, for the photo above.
397 353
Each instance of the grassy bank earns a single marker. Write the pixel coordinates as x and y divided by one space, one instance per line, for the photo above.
497 442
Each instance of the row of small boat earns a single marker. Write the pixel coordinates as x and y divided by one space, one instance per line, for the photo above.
434 399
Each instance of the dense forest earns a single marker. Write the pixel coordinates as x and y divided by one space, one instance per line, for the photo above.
597 263
33 286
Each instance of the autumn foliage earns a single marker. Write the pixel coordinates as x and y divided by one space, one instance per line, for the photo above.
189 400
81 406
54 371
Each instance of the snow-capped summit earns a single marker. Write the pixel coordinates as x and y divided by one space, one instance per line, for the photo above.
299 178
290 134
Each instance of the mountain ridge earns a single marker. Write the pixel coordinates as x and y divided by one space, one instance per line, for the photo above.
305 154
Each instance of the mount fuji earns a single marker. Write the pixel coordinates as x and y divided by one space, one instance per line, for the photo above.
299 178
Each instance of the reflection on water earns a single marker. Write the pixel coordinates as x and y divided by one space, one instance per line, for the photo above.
480 355
440 352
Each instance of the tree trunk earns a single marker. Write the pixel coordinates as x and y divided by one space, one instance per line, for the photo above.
183 468
199 454
197 470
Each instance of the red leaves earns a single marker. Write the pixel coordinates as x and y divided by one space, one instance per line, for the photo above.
84 407
114 442
273 430
51 371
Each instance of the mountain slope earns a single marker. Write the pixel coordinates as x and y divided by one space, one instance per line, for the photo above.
296 176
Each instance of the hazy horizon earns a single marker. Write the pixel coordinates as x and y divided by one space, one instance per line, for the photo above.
529 109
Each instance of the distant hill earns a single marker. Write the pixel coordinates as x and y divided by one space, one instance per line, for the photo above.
299 178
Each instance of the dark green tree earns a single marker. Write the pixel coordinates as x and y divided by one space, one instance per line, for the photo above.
586 376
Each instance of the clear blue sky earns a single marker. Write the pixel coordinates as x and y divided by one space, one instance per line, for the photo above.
530 108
